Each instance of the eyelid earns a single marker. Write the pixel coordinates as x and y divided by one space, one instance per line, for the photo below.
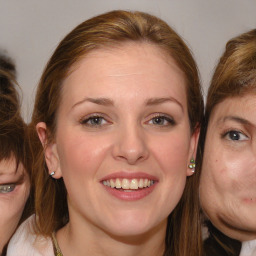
169 118
7 188
226 132
86 118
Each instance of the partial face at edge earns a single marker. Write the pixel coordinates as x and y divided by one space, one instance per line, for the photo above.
14 191
228 179
123 118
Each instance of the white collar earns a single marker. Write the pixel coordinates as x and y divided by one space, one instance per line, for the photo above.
248 248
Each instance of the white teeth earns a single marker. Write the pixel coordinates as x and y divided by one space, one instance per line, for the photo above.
134 184
112 183
141 183
118 183
127 184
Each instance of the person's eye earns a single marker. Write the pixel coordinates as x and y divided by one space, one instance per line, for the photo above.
7 188
162 120
235 136
94 121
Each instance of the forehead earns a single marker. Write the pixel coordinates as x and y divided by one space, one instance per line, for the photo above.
243 106
143 64
8 167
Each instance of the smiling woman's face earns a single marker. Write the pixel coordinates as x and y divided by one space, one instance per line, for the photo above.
14 191
123 140
228 181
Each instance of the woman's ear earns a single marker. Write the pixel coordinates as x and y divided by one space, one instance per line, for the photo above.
192 151
50 151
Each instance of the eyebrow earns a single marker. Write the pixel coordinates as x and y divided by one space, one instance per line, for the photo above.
156 101
109 102
236 119
98 101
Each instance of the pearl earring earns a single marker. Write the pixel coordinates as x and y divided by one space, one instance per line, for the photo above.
192 165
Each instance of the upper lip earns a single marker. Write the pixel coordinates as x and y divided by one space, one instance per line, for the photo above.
129 175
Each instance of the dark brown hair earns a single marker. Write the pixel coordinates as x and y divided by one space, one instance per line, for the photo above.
108 30
11 124
13 130
234 76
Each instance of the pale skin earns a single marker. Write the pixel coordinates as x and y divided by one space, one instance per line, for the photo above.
123 114
14 191
228 180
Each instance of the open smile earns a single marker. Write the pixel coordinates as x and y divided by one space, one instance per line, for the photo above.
129 186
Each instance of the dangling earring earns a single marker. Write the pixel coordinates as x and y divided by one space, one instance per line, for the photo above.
52 173
192 165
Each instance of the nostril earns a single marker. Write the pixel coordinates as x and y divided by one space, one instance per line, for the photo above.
130 155
130 145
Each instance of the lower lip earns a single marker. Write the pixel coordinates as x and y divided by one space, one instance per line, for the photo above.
132 195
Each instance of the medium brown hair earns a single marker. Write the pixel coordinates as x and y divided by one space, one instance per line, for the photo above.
234 76
108 30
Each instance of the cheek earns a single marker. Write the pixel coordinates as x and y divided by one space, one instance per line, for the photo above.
239 171
11 208
225 171
82 155
215 170
172 152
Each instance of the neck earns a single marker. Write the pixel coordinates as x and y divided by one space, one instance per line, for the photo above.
78 240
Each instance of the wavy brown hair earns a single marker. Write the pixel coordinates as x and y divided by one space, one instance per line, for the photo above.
110 30
234 76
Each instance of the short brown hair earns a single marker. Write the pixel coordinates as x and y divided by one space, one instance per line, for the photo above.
235 74
108 30
13 130
12 127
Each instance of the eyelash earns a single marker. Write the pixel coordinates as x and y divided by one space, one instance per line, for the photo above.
170 120
91 118
7 188
227 134
100 118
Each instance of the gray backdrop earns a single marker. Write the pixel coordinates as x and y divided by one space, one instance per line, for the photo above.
31 29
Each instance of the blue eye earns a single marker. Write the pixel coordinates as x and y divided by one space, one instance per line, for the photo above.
7 188
94 121
235 136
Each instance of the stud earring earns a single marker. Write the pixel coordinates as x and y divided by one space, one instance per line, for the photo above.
192 165
52 173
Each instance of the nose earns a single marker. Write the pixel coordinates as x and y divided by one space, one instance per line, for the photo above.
131 145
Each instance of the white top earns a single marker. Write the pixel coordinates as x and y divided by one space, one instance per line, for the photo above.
26 243
248 248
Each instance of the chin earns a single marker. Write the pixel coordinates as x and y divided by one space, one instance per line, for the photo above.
131 226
